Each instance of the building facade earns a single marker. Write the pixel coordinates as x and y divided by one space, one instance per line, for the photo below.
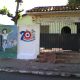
59 26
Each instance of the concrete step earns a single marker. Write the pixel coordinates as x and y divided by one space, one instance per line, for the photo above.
59 57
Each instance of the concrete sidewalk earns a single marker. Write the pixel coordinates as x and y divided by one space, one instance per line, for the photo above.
34 67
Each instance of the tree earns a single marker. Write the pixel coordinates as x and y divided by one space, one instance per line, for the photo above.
5 11
17 16
74 2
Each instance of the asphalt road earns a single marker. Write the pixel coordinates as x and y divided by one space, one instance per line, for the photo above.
19 76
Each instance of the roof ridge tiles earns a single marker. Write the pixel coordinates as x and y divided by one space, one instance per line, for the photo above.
54 8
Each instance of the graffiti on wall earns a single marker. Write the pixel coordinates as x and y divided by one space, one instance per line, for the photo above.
8 41
27 35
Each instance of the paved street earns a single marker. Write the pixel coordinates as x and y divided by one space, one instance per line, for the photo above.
19 76
33 67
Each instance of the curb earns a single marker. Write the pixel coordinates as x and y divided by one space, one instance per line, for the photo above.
42 72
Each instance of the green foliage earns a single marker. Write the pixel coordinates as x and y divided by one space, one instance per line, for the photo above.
5 11
74 2
9 14
16 17
10 53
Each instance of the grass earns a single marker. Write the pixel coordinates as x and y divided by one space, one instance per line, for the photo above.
9 53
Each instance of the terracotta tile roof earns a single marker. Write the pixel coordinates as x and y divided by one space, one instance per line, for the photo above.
54 8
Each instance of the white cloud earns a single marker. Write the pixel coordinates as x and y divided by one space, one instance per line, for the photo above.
5 20
27 4
33 3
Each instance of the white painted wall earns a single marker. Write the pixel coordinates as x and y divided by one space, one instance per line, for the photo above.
57 27
28 50
56 23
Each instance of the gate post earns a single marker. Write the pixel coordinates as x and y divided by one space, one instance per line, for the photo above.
0 42
28 41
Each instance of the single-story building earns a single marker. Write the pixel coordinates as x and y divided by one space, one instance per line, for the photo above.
59 26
